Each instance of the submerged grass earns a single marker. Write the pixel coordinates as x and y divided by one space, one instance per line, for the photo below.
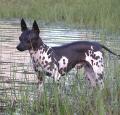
75 99
93 13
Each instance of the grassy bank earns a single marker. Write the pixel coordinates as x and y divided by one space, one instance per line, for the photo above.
93 13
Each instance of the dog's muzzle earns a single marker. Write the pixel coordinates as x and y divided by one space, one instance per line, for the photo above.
21 47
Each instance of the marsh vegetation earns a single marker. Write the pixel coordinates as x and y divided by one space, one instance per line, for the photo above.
19 94
103 14
18 83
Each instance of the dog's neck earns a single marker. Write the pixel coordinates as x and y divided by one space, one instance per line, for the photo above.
38 44
43 47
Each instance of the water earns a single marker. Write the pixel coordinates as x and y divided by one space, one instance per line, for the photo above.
16 73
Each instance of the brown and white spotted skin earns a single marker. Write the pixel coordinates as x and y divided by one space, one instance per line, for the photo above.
62 64
57 61
46 59
95 70
43 58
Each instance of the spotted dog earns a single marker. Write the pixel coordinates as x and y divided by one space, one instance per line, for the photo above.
57 61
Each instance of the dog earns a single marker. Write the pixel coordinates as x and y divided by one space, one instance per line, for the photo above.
58 61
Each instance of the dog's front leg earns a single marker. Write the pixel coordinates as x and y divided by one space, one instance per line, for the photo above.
40 80
57 77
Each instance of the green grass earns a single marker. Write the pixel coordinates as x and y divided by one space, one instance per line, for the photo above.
60 99
91 13
75 99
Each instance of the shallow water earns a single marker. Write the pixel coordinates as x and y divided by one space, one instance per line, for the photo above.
16 68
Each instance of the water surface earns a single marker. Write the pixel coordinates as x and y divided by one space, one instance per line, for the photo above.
16 72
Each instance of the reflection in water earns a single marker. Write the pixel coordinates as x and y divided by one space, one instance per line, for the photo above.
15 67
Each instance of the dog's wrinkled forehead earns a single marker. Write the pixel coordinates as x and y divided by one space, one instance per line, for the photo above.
28 35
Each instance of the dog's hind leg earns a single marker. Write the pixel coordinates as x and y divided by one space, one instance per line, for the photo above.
99 80
94 76
95 60
89 74
98 70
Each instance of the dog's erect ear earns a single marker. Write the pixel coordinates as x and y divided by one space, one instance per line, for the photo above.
23 25
35 27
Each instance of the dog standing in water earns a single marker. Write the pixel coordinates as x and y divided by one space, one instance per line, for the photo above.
57 61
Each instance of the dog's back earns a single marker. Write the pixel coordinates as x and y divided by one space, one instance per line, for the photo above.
57 61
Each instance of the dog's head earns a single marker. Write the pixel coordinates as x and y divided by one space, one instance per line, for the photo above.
29 38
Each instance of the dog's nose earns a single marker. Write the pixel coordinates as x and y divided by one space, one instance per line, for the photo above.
18 48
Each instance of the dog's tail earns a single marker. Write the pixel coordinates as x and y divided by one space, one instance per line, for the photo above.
110 50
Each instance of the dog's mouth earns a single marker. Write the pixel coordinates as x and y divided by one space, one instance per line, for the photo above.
19 48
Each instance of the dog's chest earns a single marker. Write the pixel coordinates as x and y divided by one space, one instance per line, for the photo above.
42 58
46 59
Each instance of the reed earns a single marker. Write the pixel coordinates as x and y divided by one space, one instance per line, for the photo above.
93 13
62 99
73 99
